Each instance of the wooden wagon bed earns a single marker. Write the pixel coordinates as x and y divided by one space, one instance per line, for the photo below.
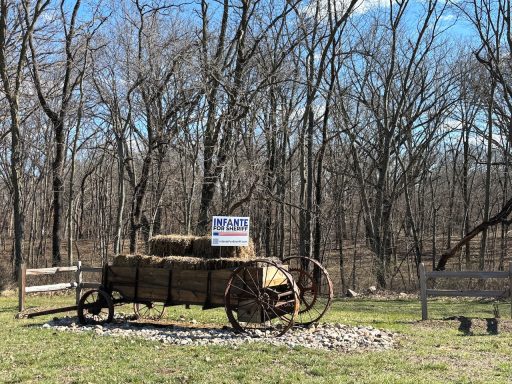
261 295
189 287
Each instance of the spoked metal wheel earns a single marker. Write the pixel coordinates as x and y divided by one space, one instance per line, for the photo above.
315 287
262 299
149 310
95 307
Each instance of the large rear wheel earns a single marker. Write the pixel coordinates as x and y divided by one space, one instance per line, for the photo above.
261 299
315 287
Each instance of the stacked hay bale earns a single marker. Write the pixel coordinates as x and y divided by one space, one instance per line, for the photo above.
138 261
182 252
178 262
202 248
196 246
167 245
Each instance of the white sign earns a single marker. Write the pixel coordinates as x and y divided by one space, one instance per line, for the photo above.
230 231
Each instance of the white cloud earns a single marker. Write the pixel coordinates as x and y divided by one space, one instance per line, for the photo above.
448 18
364 6
340 6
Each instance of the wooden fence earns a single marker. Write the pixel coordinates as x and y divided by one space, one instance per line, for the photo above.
481 275
78 283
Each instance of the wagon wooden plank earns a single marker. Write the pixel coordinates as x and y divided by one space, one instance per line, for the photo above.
190 286
152 293
219 281
273 277
115 272
187 286
183 296
155 277
126 291
266 277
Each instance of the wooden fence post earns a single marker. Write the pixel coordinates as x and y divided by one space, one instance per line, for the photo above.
22 282
423 292
79 279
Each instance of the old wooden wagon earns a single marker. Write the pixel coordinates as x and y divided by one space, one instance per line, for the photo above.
263 296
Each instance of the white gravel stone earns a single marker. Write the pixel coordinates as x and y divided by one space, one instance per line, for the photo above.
338 337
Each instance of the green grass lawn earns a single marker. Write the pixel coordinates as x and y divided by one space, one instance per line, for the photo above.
429 352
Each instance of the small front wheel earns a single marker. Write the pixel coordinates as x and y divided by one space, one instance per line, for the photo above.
149 310
95 307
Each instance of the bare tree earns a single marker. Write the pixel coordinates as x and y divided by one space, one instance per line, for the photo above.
323 35
404 95
491 20
16 29
75 43
228 68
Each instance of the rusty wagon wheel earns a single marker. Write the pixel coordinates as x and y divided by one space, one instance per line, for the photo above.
262 299
149 310
315 286
95 307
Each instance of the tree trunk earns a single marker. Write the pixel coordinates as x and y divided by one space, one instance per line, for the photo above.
58 191
121 196
381 237
17 188
207 192
138 201
487 190
466 194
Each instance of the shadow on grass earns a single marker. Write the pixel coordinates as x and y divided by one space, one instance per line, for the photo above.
467 323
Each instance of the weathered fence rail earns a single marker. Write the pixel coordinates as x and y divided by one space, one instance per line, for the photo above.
481 275
78 284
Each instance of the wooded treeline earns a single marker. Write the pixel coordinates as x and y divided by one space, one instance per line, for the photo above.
330 123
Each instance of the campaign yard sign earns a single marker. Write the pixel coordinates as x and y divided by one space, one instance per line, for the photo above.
230 231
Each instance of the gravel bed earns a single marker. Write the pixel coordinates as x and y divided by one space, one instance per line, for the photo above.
337 337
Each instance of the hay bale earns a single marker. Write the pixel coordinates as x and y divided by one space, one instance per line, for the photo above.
137 261
126 260
202 248
179 262
150 261
167 245
169 262
246 253
196 263
184 245
223 263
183 262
